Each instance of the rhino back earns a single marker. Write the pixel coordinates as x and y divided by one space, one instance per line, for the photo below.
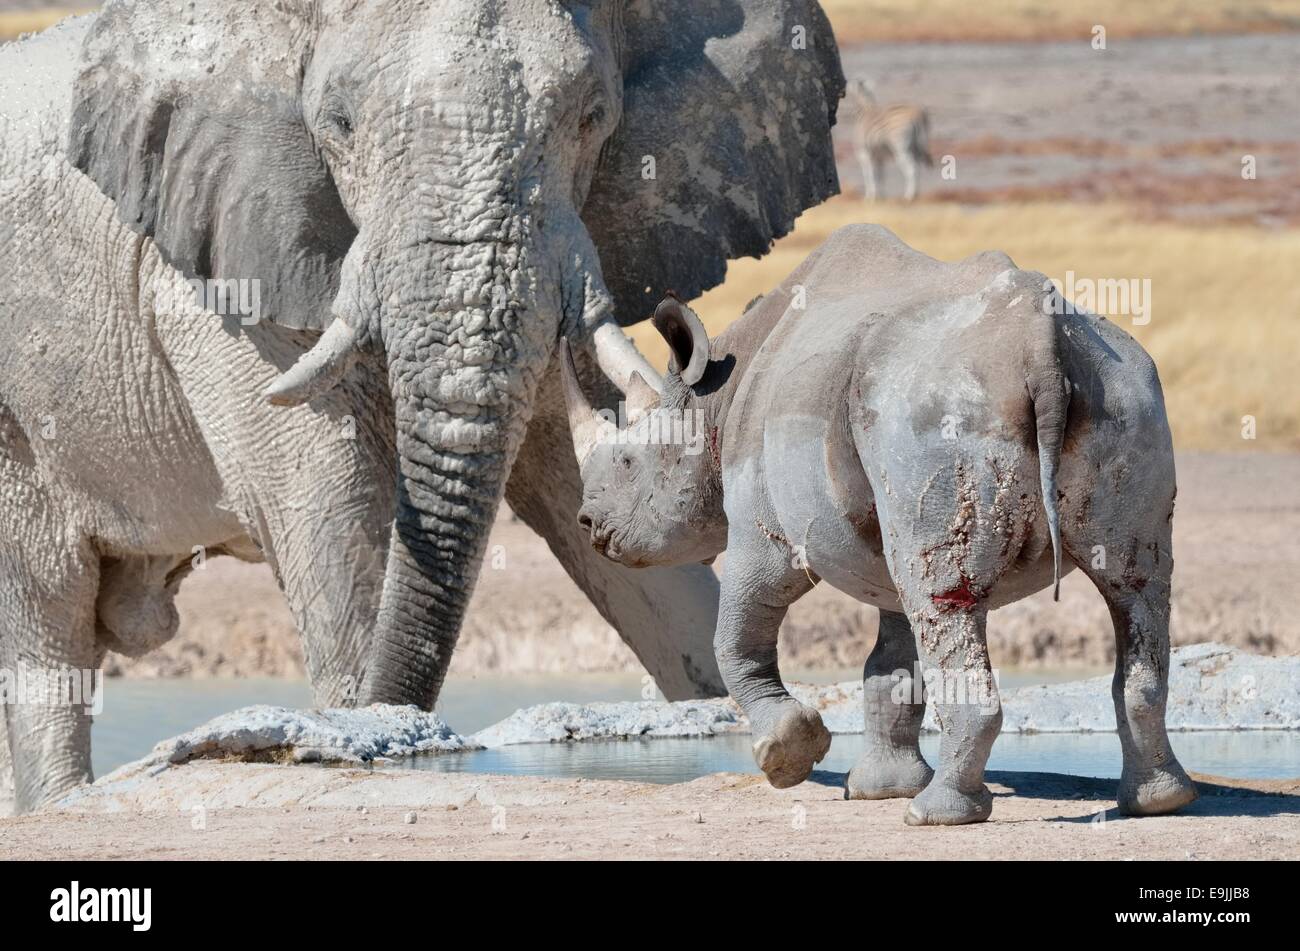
864 314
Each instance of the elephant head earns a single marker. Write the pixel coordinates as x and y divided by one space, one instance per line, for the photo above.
449 186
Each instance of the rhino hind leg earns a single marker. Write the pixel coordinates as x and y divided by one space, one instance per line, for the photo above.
952 645
1136 588
891 765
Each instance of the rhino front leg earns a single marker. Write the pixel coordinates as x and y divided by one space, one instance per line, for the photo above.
759 583
666 615
891 765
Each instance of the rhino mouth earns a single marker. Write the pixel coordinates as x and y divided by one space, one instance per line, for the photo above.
605 540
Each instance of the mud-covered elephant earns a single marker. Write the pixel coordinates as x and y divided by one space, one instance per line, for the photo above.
283 281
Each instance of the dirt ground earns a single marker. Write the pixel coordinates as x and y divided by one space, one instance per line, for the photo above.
723 816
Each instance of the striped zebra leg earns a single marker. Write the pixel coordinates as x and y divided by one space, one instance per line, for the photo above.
907 164
870 172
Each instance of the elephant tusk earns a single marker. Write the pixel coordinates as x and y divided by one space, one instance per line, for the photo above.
317 370
619 358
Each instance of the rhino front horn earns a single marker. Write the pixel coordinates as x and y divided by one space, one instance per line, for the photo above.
585 424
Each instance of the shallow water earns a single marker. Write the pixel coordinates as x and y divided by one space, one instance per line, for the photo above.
1253 755
139 713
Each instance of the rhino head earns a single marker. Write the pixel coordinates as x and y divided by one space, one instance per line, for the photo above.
652 485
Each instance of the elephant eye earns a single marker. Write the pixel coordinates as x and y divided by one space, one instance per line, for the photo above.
341 122
336 115
594 118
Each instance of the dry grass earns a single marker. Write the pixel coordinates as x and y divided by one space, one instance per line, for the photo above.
1224 310
14 23
956 20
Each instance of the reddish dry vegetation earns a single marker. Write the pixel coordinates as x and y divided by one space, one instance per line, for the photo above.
1139 176
956 21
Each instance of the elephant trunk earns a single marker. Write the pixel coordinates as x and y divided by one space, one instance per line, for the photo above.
464 366
447 500
467 327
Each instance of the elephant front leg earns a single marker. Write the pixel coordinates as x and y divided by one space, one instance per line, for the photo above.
331 570
324 531
47 648
893 707
666 615
7 805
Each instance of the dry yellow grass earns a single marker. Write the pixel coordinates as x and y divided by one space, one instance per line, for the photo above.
17 22
857 20
1225 299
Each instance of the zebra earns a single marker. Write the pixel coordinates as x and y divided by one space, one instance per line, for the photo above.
900 131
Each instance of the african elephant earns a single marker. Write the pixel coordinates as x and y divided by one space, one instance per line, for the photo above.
283 281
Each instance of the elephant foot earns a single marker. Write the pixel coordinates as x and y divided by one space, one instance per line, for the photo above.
888 775
798 742
1155 792
940 805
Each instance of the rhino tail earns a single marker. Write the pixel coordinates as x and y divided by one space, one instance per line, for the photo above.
1049 389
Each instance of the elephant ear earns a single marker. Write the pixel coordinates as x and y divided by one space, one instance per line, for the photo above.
725 140
187 115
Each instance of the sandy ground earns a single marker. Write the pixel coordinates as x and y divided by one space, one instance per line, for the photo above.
1236 544
323 814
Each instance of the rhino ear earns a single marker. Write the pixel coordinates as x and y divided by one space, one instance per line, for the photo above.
725 140
686 337
190 120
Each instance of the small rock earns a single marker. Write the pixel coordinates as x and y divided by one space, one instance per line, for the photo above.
699 818
452 807
409 818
